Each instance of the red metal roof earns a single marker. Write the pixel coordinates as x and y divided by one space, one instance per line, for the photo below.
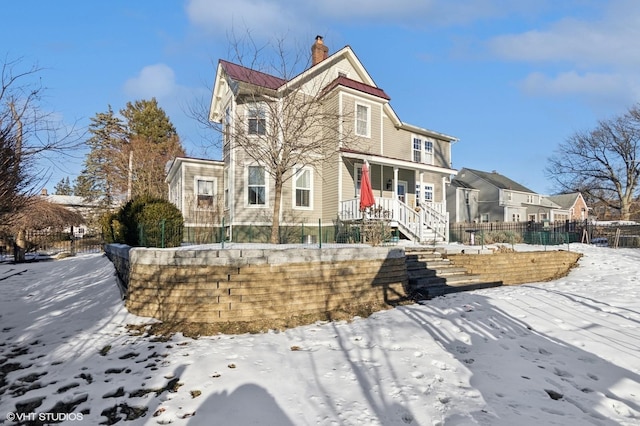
356 85
247 75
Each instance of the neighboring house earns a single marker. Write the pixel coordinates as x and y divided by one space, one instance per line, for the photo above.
87 209
574 203
196 187
477 196
409 165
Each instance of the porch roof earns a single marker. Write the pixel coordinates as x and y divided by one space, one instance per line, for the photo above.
396 162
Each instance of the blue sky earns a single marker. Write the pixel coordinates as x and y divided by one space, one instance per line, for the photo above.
510 79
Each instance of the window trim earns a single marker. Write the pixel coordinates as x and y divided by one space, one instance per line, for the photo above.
260 107
246 188
367 133
357 177
421 193
425 156
196 191
295 188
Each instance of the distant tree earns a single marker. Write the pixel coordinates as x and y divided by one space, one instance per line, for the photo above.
603 163
127 156
63 187
97 181
152 142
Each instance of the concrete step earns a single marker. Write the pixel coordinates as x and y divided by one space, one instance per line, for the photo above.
449 271
435 280
431 275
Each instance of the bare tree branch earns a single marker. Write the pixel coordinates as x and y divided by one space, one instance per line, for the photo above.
603 164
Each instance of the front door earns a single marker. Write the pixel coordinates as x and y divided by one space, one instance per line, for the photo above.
402 191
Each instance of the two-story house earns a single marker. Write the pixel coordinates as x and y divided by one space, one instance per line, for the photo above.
478 196
409 165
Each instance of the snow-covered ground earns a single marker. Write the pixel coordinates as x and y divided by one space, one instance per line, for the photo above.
565 353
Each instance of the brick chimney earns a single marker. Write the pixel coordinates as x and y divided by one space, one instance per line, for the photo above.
319 52
43 192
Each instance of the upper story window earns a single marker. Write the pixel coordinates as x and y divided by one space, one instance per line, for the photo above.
257 119
302 187
532 199
204 193
422 150
363 120
256 186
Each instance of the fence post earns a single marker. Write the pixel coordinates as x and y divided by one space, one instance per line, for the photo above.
319 233
222 236
162 222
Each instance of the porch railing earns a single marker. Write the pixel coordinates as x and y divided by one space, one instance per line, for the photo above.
415 223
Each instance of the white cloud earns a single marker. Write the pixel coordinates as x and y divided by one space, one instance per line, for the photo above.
580 42
266 17
595 85
598 57
262 17
153 81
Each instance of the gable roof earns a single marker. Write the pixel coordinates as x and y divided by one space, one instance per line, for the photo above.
497 180
240 73
565 201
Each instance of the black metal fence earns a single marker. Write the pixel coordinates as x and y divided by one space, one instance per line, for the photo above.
609 234
51 243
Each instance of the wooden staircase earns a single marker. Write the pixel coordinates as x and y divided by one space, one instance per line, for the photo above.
430 275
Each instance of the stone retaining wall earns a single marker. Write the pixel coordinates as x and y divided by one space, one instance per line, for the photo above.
517 267
238 285
226 285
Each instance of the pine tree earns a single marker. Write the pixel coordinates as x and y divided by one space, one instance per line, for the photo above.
100 178
146 136
63 187
153 142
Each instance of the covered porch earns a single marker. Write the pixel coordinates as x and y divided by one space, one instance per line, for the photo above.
410 195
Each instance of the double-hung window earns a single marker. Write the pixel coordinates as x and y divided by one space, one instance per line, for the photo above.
363 120
426 192
204 190
302 182
256 186
422 150
417 150
257 119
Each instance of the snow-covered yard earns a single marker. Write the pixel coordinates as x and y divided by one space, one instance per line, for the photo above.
565 352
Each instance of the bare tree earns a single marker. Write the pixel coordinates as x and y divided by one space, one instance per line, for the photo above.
285 118
603 163
28 135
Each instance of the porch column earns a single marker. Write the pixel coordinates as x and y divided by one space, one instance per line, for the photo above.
395 183
421 183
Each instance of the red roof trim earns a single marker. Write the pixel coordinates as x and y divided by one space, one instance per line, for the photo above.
247 75
356 85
